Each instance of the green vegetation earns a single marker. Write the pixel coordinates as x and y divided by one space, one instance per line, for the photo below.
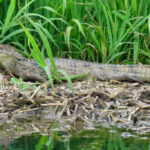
94 30
100 139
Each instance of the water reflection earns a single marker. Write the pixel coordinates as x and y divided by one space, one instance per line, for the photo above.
98 139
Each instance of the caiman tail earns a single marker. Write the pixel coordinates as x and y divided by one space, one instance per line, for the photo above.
140 73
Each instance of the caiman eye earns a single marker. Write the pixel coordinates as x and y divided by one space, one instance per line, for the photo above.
22 59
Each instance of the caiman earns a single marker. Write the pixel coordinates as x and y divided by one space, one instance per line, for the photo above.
29 69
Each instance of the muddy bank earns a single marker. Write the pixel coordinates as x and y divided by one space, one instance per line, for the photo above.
32 107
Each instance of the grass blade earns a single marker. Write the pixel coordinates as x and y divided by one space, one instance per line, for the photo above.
68 79
79 26
46 45
67 36
8 16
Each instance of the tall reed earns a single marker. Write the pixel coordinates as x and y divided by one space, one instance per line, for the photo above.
95 30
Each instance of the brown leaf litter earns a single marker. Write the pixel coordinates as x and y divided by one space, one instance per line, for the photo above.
121 104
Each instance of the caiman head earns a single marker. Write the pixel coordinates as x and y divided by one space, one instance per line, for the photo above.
8 51
16 64
8 56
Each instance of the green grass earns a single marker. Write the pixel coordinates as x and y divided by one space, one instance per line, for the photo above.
95 30
34 48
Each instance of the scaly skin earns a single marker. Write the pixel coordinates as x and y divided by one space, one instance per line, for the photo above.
28 69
